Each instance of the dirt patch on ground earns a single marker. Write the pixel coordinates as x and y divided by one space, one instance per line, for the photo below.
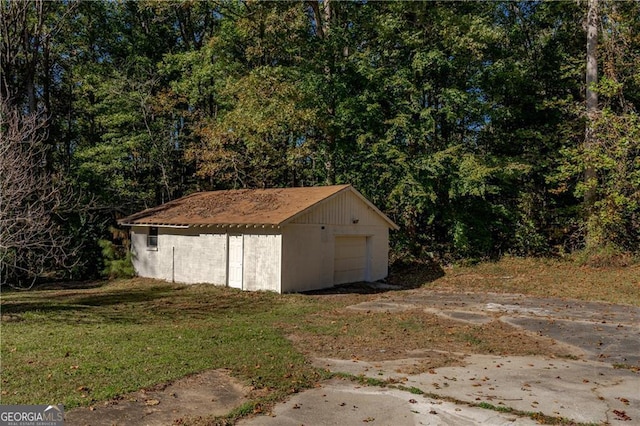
381 336
212 393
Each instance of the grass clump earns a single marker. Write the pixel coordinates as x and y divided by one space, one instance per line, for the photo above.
499 408
416 391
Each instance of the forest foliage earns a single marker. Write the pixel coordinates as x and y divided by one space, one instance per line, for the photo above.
463 121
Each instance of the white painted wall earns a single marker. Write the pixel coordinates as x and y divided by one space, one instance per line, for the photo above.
199 258
308 250
188 256
307 258
262 262
308 254
182 255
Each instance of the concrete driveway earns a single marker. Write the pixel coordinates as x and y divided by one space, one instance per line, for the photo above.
601 331
601 386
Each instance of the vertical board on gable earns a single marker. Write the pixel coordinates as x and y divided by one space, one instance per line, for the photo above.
314 244
342 209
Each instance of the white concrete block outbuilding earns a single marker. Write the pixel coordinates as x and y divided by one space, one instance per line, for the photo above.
282 240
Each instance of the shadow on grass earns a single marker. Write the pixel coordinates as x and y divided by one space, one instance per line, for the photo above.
124 297
72 285
415 274
59 285
45 307
129 304
355 288
73 301
402 276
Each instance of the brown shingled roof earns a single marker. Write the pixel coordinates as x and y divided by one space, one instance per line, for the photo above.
235 207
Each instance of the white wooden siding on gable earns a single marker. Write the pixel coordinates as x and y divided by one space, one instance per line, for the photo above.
342 209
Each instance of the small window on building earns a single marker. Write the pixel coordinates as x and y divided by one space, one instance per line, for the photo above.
152 238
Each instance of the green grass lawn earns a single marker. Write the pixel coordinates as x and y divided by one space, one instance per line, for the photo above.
83 345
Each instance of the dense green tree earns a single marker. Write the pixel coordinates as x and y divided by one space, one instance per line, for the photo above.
258 134
531 86
465 121
609 220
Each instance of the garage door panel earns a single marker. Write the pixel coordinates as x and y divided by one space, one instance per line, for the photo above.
350 246
350 259
349 263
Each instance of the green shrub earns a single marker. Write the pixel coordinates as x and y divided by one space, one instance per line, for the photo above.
117 260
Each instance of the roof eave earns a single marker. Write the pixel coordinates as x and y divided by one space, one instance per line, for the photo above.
203 225
155 225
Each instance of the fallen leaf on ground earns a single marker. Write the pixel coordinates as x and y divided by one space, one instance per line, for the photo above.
621 415
625 401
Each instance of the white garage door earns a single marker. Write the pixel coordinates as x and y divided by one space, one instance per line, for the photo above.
350 262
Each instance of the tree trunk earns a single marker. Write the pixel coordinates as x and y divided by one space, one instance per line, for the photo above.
590 175
326 19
